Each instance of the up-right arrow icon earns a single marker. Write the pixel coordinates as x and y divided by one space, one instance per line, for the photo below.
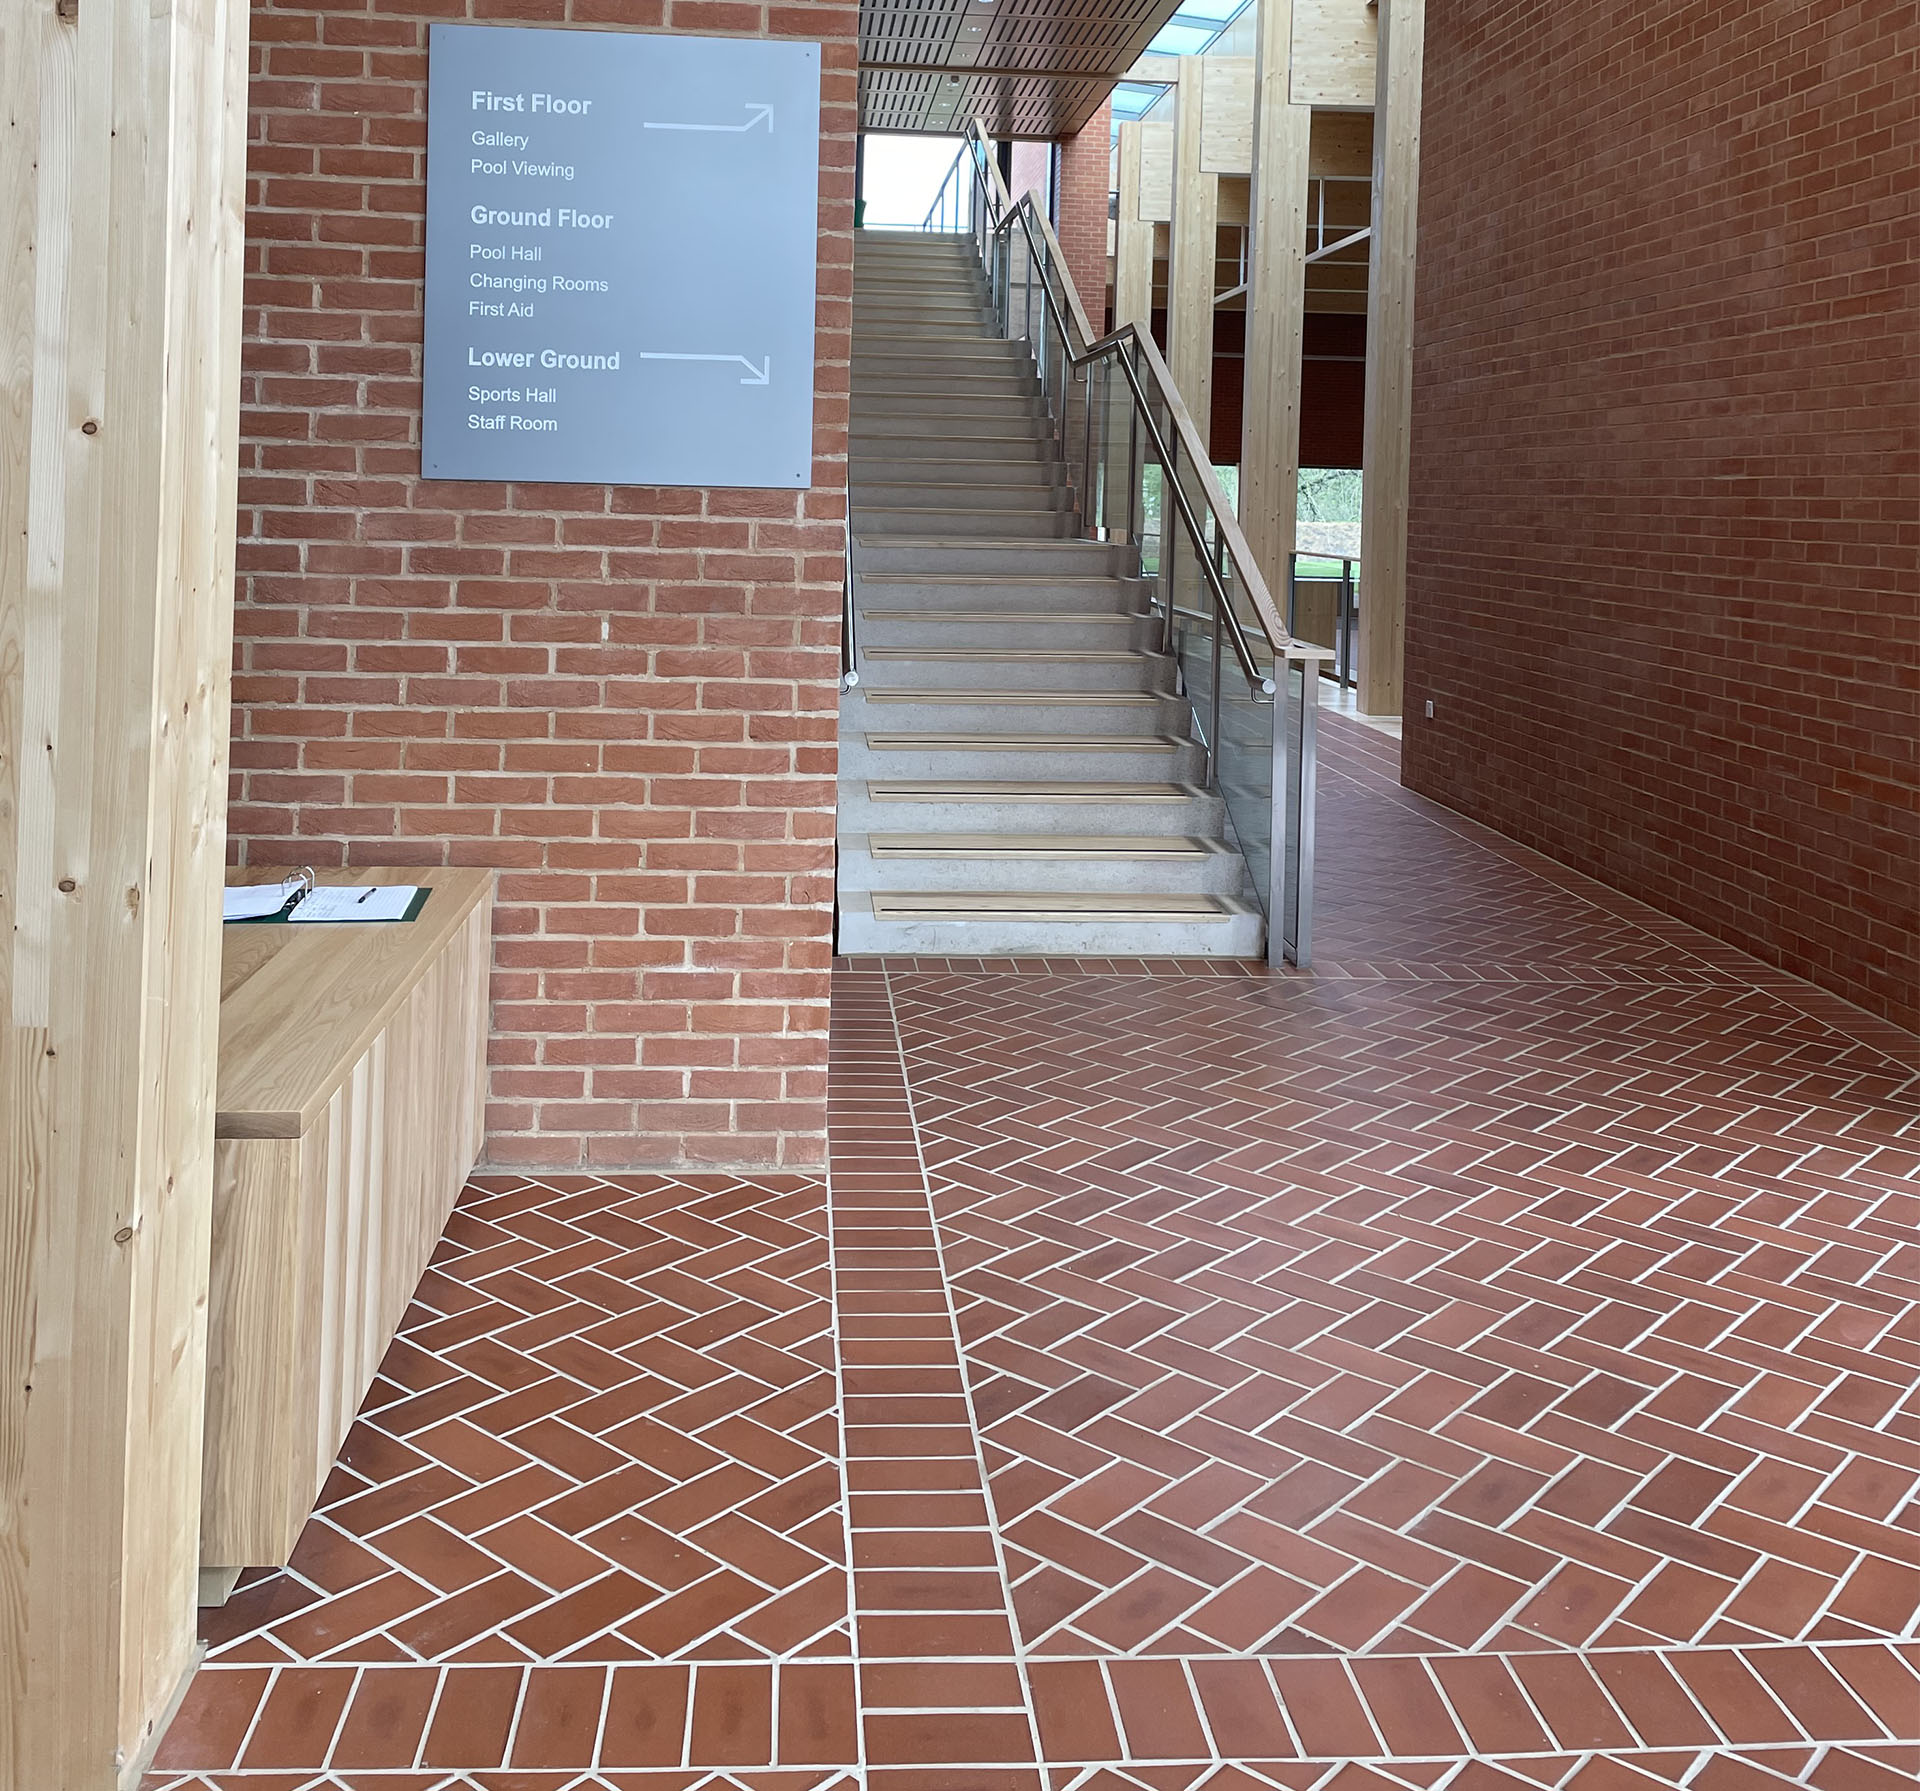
756 115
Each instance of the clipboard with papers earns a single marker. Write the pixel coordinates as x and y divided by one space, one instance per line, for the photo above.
299 900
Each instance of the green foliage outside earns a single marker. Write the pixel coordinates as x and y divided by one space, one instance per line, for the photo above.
1327 494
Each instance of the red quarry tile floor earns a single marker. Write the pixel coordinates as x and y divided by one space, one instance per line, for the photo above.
1488 1361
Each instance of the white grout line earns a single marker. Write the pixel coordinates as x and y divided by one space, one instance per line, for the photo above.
1016 1641
846 1491
426 1727
519 1705
606 1704
253 1722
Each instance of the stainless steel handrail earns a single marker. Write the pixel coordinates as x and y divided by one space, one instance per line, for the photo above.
1227 529
1112 346
1287 897
849 638
1128 335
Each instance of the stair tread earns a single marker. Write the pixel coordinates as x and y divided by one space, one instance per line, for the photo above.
974 544
987 578
998 617
1040 904
927 741
949 442
1016 655
954 509
1073 546
1042 845
984 789
1106 699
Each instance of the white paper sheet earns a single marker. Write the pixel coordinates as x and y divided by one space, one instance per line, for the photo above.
254 901
367 901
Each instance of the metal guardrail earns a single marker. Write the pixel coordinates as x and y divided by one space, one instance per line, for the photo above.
1346 618
951 209
1146 481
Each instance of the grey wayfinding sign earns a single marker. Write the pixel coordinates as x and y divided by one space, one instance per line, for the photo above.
621 235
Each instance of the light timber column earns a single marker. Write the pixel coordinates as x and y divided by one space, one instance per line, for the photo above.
1132 240
1276 302
1191 252
1383 515
1132 303
122 138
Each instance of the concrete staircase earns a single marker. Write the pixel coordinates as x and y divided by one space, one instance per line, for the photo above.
1016 774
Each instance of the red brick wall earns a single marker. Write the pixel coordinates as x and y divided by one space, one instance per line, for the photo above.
1082 223
622 697
1332 386
1333 390
1663 587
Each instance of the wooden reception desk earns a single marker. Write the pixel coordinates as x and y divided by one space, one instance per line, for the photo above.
351 1102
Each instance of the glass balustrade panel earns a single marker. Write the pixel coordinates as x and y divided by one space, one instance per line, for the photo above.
1243 762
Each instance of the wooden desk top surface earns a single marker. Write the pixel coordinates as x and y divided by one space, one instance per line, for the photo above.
299 1005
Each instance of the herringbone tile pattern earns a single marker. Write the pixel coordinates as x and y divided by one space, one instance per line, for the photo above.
1309 1316
606 1432
1486 1363
1403 897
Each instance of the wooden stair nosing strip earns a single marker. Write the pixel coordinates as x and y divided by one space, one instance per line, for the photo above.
1118 618
1017 655
1043 905
1003 511
956 742
1027 699
988 578
1081 846
1021 544
983 789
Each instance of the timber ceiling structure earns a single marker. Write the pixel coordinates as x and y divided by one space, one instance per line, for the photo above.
1024 68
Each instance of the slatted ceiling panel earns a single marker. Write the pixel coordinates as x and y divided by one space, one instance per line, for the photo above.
1069 105
1076 34
909 30
897 102
1021 106
1008 106
1046 65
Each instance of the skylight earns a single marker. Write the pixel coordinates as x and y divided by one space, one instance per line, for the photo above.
1194 26
1131 98
1183 37
1191 31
